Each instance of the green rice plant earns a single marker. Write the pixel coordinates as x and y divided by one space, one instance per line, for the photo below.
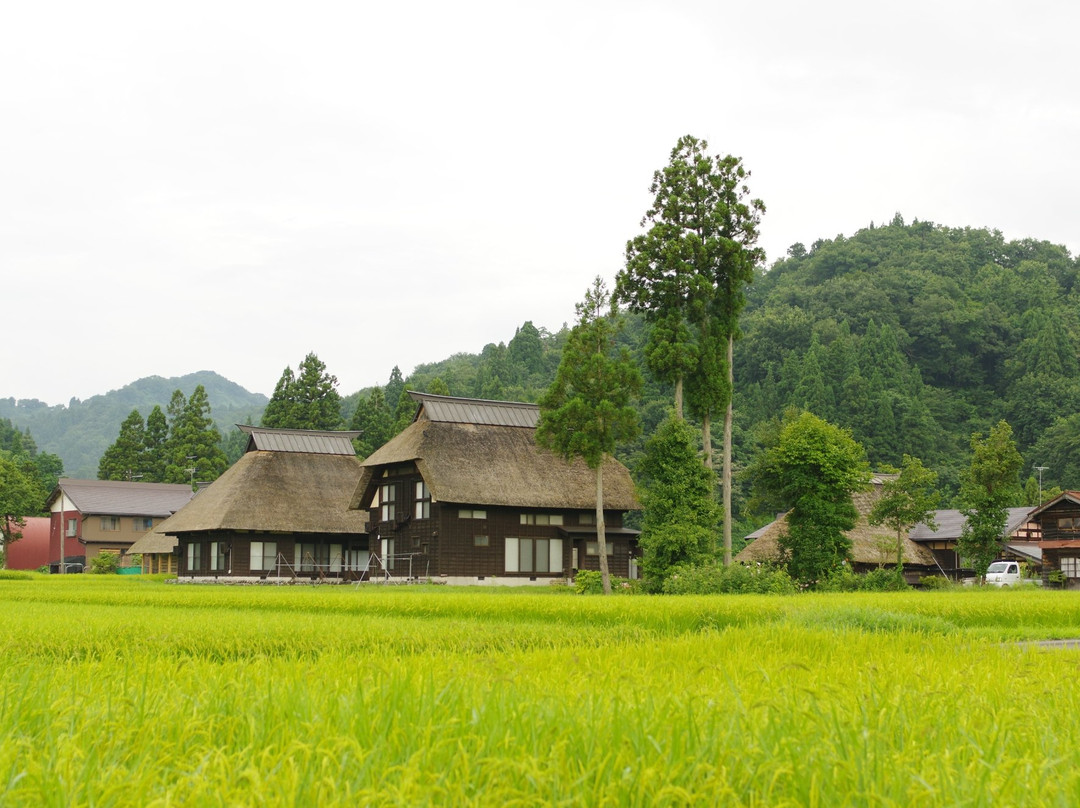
129 692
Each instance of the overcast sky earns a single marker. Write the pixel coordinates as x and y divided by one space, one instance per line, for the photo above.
228 186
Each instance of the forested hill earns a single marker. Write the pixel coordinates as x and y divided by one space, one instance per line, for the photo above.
915 336
912 336
80 432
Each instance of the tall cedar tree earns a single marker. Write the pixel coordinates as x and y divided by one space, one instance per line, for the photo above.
587 411
906 501
194 444
124 459
680 513
308 400
990 486
374 421
812 468
688 273
154 447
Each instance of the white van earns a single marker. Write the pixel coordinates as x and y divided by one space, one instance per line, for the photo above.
1003 573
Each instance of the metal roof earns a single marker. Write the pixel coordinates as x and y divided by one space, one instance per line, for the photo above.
450 409
950 523
113 498
302 441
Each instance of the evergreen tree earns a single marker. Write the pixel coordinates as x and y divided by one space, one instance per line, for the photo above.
587 410
279 410
394 387
680 512
194 446
437 387
373 421
123 460
525 353
688 273
155 447
404 412
307 400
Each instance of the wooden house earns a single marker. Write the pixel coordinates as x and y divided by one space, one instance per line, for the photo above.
1059 520
871 546
280 511
465 495
1020 540
89 517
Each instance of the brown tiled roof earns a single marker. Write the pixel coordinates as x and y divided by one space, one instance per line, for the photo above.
113 498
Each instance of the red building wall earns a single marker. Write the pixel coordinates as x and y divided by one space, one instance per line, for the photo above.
32 550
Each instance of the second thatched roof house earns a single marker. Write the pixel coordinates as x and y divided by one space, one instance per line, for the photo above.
465 495
871 546
280 510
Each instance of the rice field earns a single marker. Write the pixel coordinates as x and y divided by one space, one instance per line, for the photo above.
129 691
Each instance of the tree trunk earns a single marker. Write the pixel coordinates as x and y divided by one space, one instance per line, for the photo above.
601 536
678 397
706 439
725 481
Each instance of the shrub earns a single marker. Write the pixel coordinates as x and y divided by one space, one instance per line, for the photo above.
844 579
104 563
590 582
714 579
934 582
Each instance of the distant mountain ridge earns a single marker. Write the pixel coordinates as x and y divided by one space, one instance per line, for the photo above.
81 431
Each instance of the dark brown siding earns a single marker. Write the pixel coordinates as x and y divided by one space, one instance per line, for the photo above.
238 554
1049 521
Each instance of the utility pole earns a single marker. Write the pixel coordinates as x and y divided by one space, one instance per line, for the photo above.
1040 469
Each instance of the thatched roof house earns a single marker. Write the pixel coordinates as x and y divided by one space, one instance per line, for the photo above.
466 492
281 508
872 546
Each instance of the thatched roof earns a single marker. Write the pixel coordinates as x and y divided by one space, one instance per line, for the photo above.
289 492
869 544
468 452
154 541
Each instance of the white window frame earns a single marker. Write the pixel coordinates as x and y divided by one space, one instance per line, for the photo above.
1070 567
537 556
423 500
258 555
194 556
217 556
388 502
543 519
